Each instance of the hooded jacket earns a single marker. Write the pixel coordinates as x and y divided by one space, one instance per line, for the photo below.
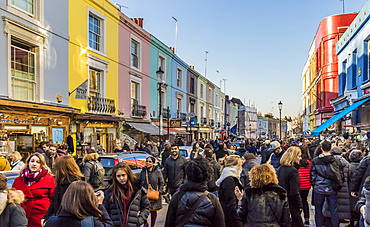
328 166
138 209
11 212
264 206
208 213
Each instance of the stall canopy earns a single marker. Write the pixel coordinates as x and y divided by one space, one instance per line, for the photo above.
338 116
147 128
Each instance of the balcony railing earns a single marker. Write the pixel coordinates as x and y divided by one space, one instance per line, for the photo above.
203 120
211 122
138 110
101 105
181 116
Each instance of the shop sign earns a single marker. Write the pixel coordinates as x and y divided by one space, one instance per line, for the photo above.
175 123
100 125
81 91
20 121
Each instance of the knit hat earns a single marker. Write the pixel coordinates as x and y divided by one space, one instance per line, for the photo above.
3 182
275 145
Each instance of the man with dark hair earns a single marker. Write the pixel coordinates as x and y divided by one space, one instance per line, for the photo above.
242 150
193 205
50 155
325 176
173 171
220 152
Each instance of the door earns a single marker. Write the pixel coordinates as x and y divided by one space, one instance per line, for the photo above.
58 135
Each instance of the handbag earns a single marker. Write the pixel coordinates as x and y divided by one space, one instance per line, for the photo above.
152 194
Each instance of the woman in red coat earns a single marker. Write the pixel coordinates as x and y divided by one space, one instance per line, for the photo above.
38 187
304 180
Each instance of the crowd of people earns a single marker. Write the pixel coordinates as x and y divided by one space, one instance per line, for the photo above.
258 183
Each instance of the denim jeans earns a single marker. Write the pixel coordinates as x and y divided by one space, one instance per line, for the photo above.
332 202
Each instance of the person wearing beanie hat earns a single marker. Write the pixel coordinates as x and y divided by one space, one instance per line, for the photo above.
11 212
275 157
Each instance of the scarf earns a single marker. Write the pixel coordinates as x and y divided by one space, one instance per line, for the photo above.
229 171
32 178
125 203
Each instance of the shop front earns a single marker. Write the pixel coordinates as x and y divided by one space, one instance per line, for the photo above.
24 125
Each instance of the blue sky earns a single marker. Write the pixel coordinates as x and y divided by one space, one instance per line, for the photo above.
259 46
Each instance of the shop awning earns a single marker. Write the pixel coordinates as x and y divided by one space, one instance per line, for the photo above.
176 131
338 116
147 128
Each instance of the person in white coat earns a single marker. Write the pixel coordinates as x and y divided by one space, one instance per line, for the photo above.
16 163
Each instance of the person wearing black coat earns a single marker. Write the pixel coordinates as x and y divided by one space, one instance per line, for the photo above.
250 161
288 179
359 176
208 213
228 181
220 152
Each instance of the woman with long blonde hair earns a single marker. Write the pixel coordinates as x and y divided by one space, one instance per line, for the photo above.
37 184
66 171
288 179
125 200
228 182
264 203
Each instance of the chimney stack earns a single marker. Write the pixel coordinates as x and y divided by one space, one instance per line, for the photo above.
138 21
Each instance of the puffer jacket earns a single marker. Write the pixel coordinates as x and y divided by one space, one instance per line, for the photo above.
352 170
321 167
173 171
362 171
275 159
137 212
11 212
262 207
304 177
364 199
247 166
343 201
208 213
155 178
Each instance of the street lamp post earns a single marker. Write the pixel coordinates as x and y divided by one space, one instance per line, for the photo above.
160 83
280 105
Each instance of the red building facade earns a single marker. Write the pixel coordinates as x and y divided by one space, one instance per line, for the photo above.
330 30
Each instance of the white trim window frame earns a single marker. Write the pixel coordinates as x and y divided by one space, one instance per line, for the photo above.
138 83
135 53
33 43
162 64
99 65
179 77
29 10
96 32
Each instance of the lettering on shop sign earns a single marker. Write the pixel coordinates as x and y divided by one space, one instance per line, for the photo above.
81 91
18 121
175 123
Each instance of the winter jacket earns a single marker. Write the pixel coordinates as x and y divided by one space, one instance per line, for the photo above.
12 214
155 178
57 198
216 167
227 182
364 199
173 171
4 164
17 165
247 166
352 169
262 207
325 170
49 159
220 153
37 198
265 155
343 201
165 155
252 149
137 212
208 213
275 159
362 171
89 171
241 151
288 179
67 219
304 177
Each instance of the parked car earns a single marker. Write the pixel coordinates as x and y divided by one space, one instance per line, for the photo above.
11 175
185 151
134 159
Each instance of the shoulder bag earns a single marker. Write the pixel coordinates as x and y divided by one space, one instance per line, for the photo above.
152 194
193 208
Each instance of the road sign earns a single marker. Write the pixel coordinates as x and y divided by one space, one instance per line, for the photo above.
175 123
192 123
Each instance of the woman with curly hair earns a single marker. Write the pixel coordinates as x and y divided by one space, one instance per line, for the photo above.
288 179
228 182
208 212
265 202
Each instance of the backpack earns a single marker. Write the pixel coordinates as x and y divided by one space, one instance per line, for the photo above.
96 178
